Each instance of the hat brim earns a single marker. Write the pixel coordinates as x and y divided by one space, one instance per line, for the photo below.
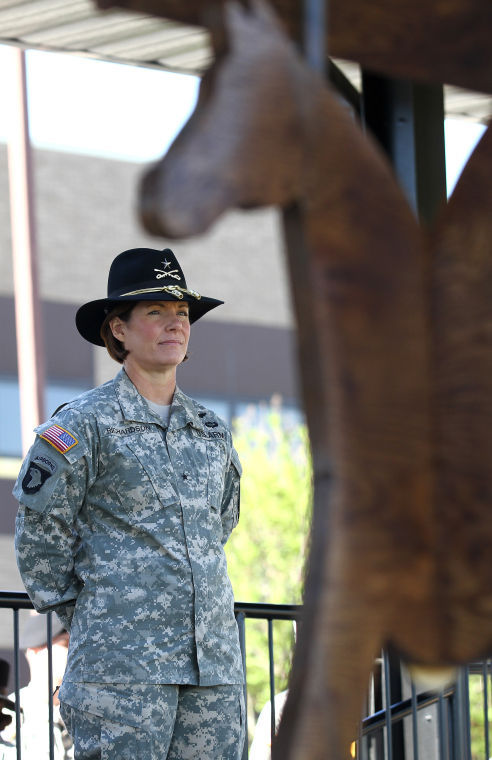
90 316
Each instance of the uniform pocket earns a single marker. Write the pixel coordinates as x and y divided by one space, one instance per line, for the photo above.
124 742
96 736
159 477
111 703
132 481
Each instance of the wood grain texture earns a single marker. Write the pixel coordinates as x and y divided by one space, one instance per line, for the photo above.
395 354
428 40
461 300
395 347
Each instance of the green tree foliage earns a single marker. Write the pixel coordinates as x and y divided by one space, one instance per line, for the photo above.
478 721
266 552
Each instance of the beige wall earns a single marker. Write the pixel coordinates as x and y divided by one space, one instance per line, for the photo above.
85 211
85 216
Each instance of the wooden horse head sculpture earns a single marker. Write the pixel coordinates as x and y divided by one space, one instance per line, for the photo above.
395 346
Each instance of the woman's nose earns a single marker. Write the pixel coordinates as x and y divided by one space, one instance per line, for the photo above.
173 322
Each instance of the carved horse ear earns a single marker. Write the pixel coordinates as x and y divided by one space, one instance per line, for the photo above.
222 18
247 19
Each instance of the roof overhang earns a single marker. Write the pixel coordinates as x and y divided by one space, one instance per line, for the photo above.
77 26
141 39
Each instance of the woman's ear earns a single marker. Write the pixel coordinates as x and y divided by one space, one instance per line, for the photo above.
118 328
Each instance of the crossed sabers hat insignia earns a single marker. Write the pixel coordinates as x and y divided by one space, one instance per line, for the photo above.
163 273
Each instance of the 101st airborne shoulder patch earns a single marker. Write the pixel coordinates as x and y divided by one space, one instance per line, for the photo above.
35 478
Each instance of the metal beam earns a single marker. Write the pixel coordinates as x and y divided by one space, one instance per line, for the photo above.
315 32
407 119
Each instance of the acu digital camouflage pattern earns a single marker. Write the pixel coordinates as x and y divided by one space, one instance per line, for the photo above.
151 722
129 524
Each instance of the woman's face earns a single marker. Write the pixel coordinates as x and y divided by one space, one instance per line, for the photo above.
156 335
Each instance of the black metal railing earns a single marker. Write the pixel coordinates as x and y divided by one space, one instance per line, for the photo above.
453 724
400 724
269 613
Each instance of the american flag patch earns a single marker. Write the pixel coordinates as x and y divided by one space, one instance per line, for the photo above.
60 438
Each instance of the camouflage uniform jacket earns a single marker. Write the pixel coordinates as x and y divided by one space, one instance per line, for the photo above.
121 525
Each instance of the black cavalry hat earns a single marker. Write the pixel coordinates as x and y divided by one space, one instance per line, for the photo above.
141 274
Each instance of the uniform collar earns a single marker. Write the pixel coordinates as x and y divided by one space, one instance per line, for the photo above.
133 405
183 412
135 408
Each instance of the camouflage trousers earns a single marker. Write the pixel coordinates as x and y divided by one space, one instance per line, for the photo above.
154 722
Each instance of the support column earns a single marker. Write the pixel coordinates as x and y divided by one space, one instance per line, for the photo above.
408 121
30 351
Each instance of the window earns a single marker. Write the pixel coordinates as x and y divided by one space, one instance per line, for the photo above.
254 411
58 392
10 429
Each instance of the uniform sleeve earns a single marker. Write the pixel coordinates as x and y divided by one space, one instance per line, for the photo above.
231 496
51 489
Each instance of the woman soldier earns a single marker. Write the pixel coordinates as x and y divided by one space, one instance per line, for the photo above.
127 497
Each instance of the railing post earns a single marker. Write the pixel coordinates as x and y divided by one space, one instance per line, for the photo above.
272 680
442 733
240 617
49 639
485 677
466 712
18 729
415 731
387 693
461 717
